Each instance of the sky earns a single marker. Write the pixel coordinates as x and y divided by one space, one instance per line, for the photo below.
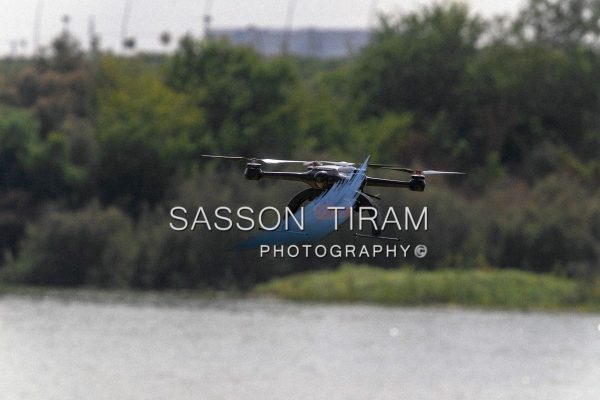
147 19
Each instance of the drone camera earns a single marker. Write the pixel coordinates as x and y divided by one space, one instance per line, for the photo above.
253 171
322 179
417 183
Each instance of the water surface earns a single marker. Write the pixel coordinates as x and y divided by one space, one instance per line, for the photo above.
73 347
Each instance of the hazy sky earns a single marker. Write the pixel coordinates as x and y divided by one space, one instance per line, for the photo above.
149 18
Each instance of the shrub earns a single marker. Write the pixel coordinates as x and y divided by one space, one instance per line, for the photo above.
92 246
202 258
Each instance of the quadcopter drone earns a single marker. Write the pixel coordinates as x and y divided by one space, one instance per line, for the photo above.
322 175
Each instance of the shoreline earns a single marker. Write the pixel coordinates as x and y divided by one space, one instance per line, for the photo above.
486 290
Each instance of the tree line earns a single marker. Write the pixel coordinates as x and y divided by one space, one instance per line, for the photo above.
96 148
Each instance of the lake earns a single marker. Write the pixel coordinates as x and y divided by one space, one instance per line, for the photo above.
106 346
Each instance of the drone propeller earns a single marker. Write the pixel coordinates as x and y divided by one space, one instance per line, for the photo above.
431 172
254 159
339 163
276 161
392 167
414 171
226 157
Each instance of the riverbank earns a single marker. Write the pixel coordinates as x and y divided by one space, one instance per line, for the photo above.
350 283
510 289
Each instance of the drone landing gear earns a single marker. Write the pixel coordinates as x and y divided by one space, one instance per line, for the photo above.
358 235
305 195
365 200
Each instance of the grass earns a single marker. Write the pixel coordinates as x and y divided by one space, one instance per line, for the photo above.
492 288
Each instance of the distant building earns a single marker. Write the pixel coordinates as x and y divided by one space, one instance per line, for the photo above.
312 42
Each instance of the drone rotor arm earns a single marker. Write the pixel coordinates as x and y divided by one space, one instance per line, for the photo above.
392 167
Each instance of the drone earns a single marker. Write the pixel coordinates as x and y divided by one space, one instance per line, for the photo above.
320 176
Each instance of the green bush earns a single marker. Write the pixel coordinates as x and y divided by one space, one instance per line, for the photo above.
92 246
200 258
548 229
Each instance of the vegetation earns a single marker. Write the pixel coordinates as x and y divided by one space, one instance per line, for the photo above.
494 288
89 246
95 149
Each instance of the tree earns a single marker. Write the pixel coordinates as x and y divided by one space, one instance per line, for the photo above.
59 87
146 132
515 98
165 38
559 22
416 62
19 137
246 98
32 170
